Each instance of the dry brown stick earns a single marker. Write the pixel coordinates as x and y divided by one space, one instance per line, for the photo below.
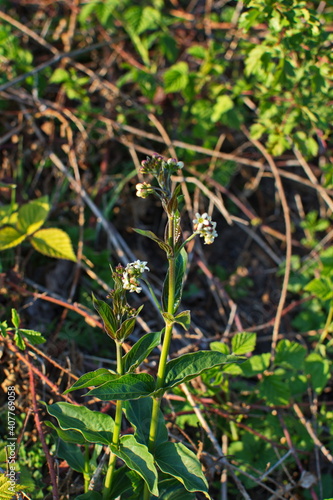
49 459
287 221
312 433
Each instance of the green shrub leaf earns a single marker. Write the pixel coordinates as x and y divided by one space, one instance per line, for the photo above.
10 237
138 413
140 350
126 387
321 287
177 77
53 243
137 457
290 354
243 342
32 215
318 371
106 313
95 427
90 495
72 454
181 463
93 379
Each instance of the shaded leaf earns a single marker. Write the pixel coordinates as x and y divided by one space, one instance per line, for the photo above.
152 236
129 386
72 454
290 354
107 316
93 379
138 413
318 371
140 350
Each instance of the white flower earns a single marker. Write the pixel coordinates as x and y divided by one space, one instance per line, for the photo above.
205 227
132 273
143 189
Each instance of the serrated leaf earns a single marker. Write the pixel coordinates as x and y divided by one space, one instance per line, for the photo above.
139 19
53 243
137 457
34 337
255 364
140 350
15 318
243 342
152 236
107 316
219 347
321 287
181 263
10 237
290 354
7 490
223 104
176 460
274 389
190 365
72 454
126 387
32 215
318 370
95 427
19 341
176 78
138 413
93 379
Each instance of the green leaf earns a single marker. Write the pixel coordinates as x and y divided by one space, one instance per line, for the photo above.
178 461
152 236
223 104
72 454
19 340
171 489
318 370
243 342
93 379
219 347
184 319
34 337
321 287
137 457
53 243
126 482
32 215
60 75
7 489
10 237
95 427
107 316
90 495
274 389
140 350
197 51
181 263
138 413
290 354
140 19
129 386
68 436
190 365
255 364
15 318
127 326
176 78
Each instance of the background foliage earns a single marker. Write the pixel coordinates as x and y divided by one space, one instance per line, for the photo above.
242 93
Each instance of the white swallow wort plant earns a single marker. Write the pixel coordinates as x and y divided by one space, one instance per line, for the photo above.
146 465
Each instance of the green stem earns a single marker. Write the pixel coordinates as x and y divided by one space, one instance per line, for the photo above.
326 327
116 431
165 348
86 475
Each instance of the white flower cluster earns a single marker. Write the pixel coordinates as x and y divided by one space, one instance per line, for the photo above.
205 227
143 189
131 275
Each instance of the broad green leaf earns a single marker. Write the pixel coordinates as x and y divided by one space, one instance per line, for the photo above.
90 495
139 19
152 236
318 370
68 436
290 354
255 364
124 482
72 454
181 463
53 243
219 347
140 350
32 215
15 318
171 489
321 287
243 342
10 237
127 326
126 387
34 337
60 75
95 427
93 379
274 389
197 51
106 313
176 78
181 263
138 413
137 457
190 365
